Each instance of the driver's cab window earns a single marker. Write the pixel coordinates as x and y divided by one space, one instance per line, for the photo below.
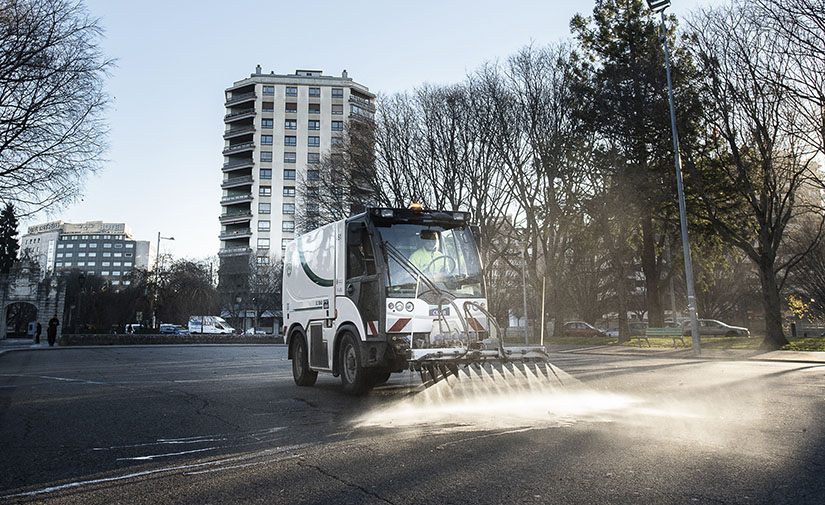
360 256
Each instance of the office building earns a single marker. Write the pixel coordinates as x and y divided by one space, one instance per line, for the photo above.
106 250
278 129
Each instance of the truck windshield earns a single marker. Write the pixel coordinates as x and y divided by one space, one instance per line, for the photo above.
448 257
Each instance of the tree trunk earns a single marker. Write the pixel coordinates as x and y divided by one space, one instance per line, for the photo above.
621 286
655 309
774 335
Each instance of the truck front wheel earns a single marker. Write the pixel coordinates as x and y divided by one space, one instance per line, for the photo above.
300 363
354 377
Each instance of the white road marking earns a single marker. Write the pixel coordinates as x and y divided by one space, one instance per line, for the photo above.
233 467
48 377
154 456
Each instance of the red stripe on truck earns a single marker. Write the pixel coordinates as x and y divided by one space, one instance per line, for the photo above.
400 324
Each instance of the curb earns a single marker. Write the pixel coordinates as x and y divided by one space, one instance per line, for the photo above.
131 346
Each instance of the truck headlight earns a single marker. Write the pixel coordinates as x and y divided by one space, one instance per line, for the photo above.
399 306
409 306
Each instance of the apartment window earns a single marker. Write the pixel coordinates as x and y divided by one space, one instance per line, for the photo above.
118 246
130 245
92 246
266 173
315 92
264 208
337 141
82 246
81 263
337 108
266 156
126 283
266 140
290 124
314 141
291 91
106 263
290 140
313 158
92 254
263 260
116 264
289 174
267 106
289 191
107 255
105 272
288 226
267 123
285 242
116 273
128 255
265 191
115 283
127 263
312 191
263 225
314 125
315 108
60 246
263 243
312 208
69 246
290 158
90 263
337 93
59 255
291 107
105 246
337 126
289 208
313 175
58 264
118 255
269 90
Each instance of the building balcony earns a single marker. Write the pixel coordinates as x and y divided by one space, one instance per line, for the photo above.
361 102
237 165
239 148
236 234
234 251
244 97
238 115
237 132
236 217
234 182
234 200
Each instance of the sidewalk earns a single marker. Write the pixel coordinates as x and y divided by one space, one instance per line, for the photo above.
687 353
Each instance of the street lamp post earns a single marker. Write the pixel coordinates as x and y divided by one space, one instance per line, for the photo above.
524 296
660 6
157 279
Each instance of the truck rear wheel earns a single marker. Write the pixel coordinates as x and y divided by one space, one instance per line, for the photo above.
354 377
300 363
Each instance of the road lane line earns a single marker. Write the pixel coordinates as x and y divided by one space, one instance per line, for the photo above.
234 467
154 456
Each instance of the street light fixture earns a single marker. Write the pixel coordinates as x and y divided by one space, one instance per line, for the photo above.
157 279
660 6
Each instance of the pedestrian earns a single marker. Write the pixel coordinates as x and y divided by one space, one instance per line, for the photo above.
52 330
38 330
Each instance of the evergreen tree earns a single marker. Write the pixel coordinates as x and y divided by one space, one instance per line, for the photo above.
8 238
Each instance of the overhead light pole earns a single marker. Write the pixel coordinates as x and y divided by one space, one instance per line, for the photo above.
660 6
157 279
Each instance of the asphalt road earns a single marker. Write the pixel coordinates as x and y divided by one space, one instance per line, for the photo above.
226 424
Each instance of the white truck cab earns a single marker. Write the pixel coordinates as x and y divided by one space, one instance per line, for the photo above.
382 291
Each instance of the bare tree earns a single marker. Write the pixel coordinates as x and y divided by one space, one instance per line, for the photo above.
52 133
752 178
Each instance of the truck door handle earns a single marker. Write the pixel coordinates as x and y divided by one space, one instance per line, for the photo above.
350 289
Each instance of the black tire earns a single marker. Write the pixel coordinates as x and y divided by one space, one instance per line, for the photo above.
355 379
300 363
380 376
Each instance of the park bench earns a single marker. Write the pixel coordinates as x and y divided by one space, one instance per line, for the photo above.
670 332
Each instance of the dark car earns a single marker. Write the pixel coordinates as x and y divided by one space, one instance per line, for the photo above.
173 329
582 329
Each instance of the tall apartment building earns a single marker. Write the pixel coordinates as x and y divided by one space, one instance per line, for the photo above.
106 250
278 128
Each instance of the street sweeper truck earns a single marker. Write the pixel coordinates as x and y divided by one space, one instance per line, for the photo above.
390 290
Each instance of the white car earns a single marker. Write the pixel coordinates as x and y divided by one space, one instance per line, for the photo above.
714 328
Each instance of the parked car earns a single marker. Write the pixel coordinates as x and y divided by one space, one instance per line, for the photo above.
714 328
173 329
582 329
636 328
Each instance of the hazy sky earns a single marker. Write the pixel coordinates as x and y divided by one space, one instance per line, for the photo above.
176 57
